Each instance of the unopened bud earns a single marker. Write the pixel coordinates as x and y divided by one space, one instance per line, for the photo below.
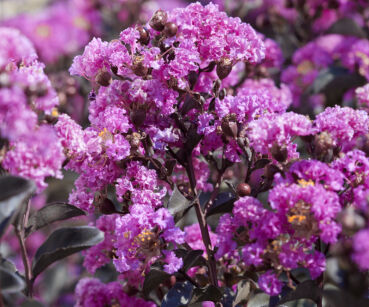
158 20
224 68
229 126
103 78
243 189
144 35
170 29
216 87
222 93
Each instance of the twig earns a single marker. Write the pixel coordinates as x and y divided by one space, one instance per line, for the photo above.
20 233
202 223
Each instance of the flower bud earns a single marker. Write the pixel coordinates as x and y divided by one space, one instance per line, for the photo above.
224 68
243 189
103 78
158 20
170 29
222 93
144 35
216 87
229 126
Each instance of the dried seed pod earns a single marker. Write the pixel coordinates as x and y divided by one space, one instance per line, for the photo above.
224 68
243 189
170 29
158 20
103 78
138 67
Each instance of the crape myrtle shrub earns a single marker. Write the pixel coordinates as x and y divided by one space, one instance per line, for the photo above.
219 167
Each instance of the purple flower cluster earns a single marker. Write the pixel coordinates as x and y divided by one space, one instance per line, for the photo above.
303 209
92 292
27 100
59 30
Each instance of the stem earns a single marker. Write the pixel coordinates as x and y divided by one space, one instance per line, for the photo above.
202 223
20 233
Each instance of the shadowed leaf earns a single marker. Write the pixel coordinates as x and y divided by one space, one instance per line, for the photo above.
10 282
222 204
52 213
64 242
347 26
13 193
178 205
153 279
179 295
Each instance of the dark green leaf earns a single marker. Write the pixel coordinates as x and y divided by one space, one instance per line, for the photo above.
209 293
153 279
347 26
64 242
13 193
261 163
341 298
222 204
193 258
31 303
326 76
178 205
179 295
260 299
333 82
243 292
307 289
10 282
52 213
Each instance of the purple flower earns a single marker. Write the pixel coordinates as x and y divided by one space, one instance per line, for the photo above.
269 283
360 253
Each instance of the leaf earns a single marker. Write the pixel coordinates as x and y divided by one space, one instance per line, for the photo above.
52 213
307 289
179 295
341 298
31 303
243 292
178 204
261 163
13 193
209 293
64 242
222 204
347 26
326 76
153 279
193 258
260 299
333 82
10 282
